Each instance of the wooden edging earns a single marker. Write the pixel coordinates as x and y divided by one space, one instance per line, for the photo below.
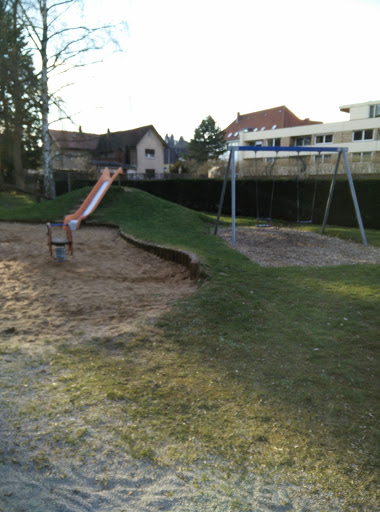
185 258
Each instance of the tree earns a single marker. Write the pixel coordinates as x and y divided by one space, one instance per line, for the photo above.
208 141
61 47
179 168
170 140
19 90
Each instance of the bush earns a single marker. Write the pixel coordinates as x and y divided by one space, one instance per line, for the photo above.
202 169
179 167
255 195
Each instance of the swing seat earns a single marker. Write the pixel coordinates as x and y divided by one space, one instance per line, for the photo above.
262 222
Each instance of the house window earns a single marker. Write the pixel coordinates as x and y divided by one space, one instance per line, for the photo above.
365 156
303 141
322 159
229 135
149 153
374 110
274 142
362 135
150 173
258 143
324 139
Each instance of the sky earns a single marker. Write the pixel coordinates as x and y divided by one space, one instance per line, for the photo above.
185 60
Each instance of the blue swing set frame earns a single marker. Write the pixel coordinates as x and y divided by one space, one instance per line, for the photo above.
341 151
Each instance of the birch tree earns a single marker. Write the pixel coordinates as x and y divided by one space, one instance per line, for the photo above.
62 45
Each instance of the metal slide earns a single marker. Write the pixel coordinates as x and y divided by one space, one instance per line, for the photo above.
92 200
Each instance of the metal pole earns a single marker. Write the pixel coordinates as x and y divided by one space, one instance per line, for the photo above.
328 205
354 198
233 198
223 194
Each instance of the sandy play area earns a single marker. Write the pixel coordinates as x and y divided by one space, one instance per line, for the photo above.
104 288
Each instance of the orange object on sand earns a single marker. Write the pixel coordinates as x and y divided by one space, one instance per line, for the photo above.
92 200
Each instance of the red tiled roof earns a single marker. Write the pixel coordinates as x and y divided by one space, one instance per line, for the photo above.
74 140
270 119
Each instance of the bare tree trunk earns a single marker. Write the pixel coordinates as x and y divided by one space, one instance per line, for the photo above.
17 132
18 168
49 184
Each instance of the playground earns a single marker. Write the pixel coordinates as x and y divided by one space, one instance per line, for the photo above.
126 386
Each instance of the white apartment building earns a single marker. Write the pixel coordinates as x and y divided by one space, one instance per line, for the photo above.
360 134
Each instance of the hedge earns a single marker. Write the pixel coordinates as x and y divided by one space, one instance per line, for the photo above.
253 197
204 195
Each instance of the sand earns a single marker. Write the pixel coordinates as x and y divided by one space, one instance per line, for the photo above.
103 289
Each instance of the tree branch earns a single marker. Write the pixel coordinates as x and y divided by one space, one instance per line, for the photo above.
76 66
30 27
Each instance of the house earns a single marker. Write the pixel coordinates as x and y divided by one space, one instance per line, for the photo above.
140 149
72 150
140 152
360 135
264 120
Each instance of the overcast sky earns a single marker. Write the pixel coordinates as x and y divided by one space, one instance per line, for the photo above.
184 60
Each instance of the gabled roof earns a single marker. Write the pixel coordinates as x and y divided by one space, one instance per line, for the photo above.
112 141
74 140
270 119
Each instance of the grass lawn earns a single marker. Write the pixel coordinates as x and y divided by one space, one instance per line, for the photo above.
270 369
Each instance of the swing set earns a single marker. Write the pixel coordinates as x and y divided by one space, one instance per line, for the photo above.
231 166
300 207
262 220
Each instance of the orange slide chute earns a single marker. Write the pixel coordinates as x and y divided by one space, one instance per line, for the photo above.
92 200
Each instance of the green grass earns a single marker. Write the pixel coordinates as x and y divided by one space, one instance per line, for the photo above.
270 369
18 207
13 200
